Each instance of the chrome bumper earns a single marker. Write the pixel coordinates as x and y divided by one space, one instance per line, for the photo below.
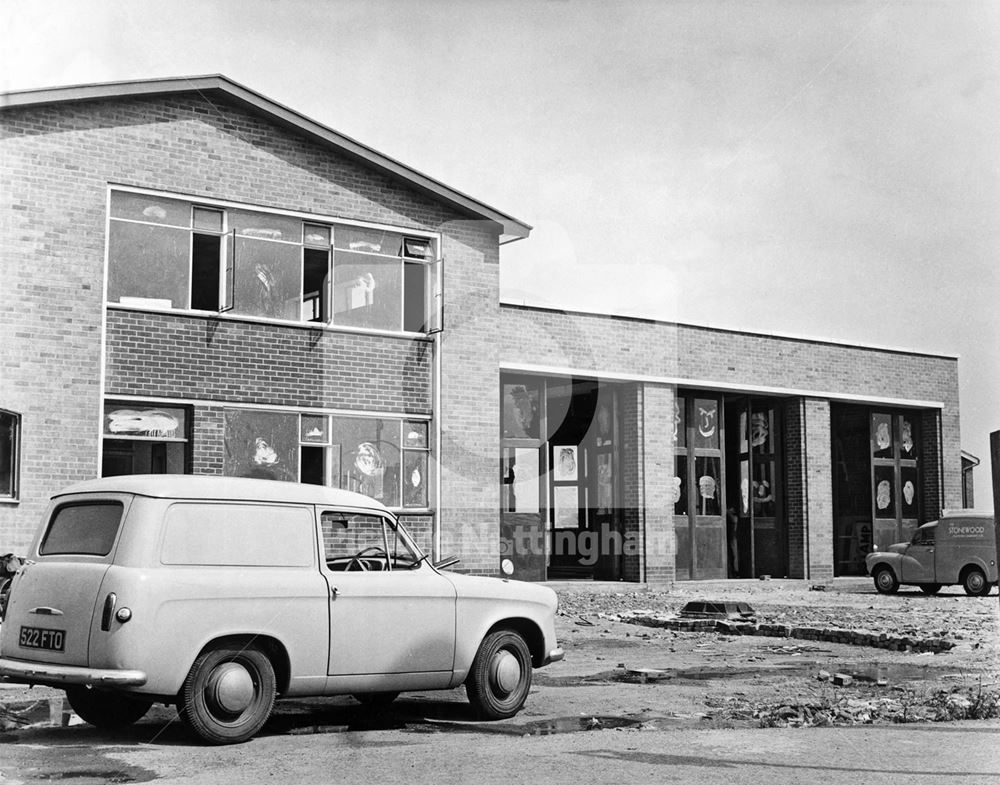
22 672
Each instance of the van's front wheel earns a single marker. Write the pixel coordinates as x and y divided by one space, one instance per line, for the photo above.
974 582
500 677
885 581
228 694
106 710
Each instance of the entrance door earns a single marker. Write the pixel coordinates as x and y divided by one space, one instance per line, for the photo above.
699 487
758 540
522 469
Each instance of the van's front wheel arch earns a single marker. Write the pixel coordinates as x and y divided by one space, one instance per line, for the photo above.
228 693
974 582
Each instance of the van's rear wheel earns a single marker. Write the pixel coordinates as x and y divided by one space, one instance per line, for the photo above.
228 694
106 710
500 676
974 582
885 580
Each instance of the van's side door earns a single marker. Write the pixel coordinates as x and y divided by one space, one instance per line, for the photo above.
917 564
390 613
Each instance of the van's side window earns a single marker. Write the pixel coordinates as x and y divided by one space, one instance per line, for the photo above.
364 543
924 537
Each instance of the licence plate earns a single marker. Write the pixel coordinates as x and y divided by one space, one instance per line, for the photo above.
40 638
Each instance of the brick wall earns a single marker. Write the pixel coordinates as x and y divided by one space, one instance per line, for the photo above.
796 488
633 477
165 355
658 458
56 162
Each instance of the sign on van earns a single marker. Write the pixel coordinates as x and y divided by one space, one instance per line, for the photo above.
966 531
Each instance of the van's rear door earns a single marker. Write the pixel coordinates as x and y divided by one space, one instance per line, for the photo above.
54 599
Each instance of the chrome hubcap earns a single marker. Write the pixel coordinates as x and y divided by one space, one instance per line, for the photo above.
230 688
506 671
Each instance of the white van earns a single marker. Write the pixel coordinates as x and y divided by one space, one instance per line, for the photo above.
219 594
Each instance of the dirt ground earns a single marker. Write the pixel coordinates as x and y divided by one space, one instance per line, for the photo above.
725 680
626 675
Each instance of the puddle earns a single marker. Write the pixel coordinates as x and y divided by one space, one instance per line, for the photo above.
560 725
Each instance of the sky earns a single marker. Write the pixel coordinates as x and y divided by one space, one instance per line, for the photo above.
820 169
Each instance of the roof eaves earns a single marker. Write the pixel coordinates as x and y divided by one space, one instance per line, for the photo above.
510 228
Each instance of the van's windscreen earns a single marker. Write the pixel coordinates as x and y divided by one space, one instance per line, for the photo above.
87 529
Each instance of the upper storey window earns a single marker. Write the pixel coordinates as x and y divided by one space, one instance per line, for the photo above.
171 253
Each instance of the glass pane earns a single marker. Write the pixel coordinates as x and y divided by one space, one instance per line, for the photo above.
161 422
83 528
268 279
418 248
679 425
707 473
8 452
265 226
148 263
678 487
605 483
882 435
356 238
761 431
520 411
763 490
706 417
414 479
415 298
605 425
907 438
208 220
524 484
314 429
744 441
261 444
744 488
911 495
314 234
315 288
885 492
367 291
415 433
152 209
369 457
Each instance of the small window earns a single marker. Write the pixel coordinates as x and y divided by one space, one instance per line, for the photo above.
83 529
364 543
144 439
10 440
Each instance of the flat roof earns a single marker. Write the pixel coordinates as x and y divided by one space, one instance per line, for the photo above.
219 86
218 488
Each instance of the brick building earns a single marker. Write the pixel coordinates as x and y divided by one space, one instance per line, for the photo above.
197 279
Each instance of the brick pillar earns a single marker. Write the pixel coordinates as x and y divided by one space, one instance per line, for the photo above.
630 454
658 463
796 513
819 489
930 455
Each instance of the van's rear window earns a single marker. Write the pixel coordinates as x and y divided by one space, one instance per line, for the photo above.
87 529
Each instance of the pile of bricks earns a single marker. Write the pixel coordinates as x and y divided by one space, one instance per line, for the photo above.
879 640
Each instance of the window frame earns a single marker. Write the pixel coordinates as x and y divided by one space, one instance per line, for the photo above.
14 456
432 300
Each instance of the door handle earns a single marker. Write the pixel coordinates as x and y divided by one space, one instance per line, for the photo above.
334 592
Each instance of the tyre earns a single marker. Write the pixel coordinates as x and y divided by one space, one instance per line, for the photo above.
885 580
106 710
974 582
228 694
930 588
500 677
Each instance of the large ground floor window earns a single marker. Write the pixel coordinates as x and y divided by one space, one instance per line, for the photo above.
145 439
